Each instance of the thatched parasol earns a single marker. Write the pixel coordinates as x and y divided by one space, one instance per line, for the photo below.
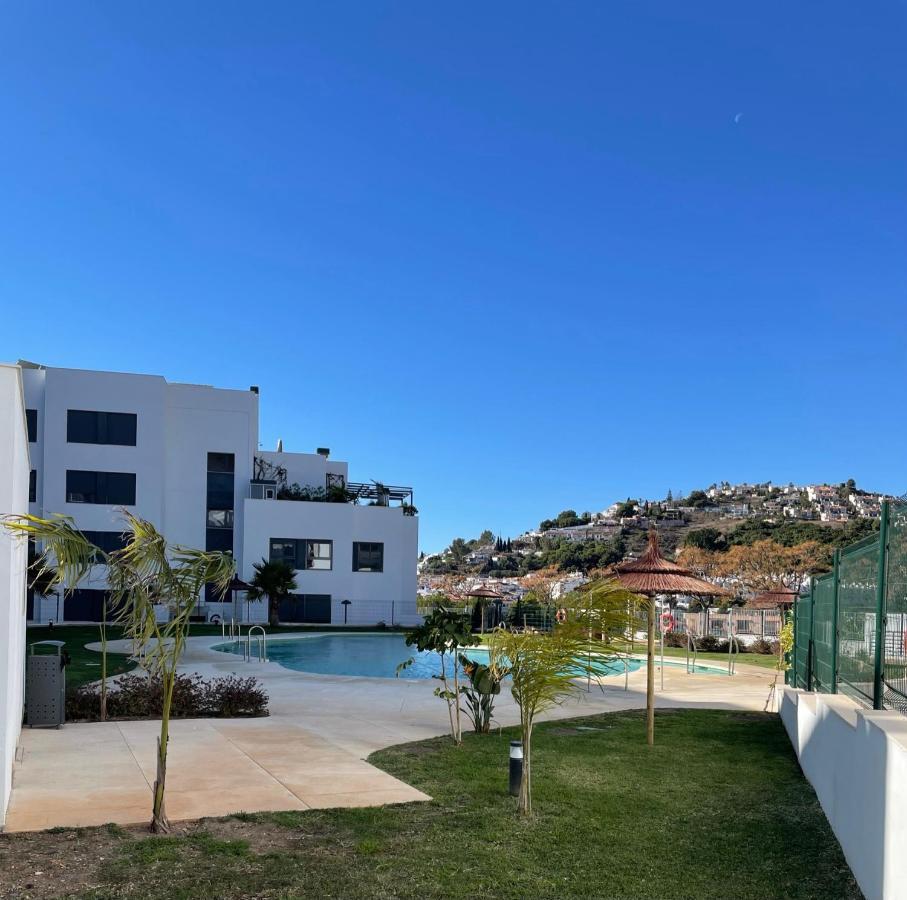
652 574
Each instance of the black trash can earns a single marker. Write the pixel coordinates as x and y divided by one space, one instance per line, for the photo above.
45 685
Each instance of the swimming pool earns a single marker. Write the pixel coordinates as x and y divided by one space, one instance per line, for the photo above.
378 655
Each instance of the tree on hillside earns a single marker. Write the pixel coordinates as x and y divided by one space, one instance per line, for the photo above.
458 550
486 537
698 499
626 509
706 539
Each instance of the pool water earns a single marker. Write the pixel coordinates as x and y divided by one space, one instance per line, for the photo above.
377 656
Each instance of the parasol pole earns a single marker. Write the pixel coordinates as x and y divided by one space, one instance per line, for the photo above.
650 673
661 626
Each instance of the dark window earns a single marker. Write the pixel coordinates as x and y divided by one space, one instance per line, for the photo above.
368 557
219 539
313 608
220 491
283 550
220 518
303 553
221 462
89 427
31 422
100 487
32 486
108 541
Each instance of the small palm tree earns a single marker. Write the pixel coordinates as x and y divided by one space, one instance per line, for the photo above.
274 580
144 573
547 668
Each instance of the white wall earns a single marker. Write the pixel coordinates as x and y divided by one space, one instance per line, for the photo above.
856 759
371 593
14 469
306 469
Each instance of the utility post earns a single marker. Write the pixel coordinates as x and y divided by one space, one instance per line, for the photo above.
880 609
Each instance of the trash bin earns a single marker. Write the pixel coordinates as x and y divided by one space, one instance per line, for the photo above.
45 685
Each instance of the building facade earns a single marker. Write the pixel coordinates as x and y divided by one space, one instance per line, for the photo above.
186 458
14 478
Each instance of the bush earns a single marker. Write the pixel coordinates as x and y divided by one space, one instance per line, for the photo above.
138 697
724 648
708 643
764 647
675 639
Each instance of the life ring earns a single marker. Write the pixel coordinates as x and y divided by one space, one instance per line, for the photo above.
215 619
560 616
667 622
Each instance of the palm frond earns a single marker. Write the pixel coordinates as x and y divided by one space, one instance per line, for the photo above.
68 555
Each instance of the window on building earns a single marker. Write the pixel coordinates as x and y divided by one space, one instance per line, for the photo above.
219 539
220 518
221 462
85 426
108 541
31 422
368 557
33 486
319 554
303 553
116 488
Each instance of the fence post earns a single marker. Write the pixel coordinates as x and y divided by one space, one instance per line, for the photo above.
880 609
793 662
810 650
834 621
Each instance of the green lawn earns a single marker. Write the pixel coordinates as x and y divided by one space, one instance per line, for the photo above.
717 809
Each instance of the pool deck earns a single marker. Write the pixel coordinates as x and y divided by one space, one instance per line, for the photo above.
309 753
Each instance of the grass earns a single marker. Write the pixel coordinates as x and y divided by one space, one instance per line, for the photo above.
718 808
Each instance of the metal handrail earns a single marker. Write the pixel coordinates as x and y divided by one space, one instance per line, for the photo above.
261 643
733 651
691 648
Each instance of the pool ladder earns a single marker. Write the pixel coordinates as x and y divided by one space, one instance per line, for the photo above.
261 644
691 651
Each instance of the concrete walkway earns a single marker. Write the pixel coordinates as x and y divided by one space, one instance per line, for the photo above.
308 753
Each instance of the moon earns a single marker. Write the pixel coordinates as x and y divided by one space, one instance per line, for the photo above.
737 118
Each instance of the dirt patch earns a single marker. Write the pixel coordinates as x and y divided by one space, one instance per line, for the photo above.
67 862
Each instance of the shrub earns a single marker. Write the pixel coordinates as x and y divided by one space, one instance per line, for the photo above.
764 647
675 639
194 697
707 643
741 647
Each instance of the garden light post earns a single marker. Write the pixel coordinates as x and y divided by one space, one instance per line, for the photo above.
346 605
516 767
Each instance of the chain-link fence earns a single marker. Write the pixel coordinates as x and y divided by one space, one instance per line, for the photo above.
850 632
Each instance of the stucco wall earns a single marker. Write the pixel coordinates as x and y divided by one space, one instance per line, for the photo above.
14 469
370 593
856 759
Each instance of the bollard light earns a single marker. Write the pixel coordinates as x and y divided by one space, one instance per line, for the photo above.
516 767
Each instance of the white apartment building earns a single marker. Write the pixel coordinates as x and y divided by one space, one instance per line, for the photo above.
14 469
186 458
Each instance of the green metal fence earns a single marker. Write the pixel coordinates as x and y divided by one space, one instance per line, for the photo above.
850 632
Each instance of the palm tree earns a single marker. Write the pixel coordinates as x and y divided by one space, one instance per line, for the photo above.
546 668
274 580
145 572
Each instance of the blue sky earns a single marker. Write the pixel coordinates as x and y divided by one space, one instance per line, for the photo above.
520 256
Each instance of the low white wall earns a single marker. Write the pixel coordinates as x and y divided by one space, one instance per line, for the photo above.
14 468
856 759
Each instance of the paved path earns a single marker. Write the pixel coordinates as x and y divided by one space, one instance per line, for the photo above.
308 753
